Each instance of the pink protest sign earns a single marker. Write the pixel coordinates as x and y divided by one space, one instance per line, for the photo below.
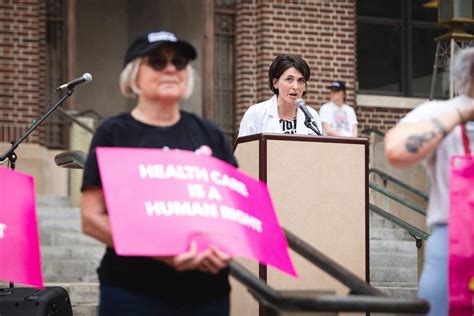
20 260
159 201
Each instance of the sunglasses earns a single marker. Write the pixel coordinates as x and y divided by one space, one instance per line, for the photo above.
159 63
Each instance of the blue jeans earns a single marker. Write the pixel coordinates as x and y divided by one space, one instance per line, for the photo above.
434 279
115 301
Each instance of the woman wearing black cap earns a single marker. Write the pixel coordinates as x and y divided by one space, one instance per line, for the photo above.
156 72
287 79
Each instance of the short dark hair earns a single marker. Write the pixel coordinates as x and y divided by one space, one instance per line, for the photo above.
283 62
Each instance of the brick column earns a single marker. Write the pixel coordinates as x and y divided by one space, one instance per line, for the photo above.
22 67
323 32
245 57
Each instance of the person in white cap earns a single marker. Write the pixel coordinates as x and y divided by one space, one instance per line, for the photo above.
338 118
158 75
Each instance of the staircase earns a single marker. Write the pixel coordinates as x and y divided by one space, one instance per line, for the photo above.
69 258
393 259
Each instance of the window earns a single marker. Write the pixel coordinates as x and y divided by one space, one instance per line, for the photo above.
56 65
224 66
396 47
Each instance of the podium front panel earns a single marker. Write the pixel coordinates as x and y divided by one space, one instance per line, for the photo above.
250 152
319 193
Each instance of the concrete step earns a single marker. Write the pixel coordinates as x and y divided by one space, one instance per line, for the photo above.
399 291
85 309
68 252
407 276
389 234
393 246
377 221
65 238
52 200
69 270
393 255
58 213
69 224
392 260
82 293
392 284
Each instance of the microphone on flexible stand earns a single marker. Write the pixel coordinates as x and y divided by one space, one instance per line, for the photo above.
87 77
309 121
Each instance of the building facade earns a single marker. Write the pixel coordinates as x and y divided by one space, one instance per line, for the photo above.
382 49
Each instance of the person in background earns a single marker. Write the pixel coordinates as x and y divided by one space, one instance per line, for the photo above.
287 78
158 75
338 118
431 134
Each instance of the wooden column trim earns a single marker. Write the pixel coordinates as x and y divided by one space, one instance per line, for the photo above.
71 46
208 99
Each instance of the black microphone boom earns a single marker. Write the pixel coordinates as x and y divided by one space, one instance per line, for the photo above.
87 77
309 121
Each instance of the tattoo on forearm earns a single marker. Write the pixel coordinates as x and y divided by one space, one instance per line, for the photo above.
414 143
440 127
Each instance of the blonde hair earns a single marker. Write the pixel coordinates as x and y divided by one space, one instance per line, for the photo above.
463 70
128 79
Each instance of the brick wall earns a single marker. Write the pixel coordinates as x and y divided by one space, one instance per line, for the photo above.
321 31
22 67
379 118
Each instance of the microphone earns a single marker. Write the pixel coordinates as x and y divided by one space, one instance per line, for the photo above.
87 77
309 122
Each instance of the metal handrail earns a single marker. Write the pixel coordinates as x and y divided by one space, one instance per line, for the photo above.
75 120
346 277
89 112
386 177
368 299
418 234
373 130
324 303
397 198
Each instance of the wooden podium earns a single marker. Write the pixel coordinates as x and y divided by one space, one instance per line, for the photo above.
319 187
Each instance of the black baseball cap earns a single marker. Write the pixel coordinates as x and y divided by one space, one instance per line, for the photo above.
147 42
337 85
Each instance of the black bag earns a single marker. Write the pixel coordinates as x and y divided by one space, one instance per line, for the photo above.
50 301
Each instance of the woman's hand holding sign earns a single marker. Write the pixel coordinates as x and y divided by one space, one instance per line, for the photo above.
215 261
211 260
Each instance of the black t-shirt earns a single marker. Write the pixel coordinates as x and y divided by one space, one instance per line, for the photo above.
142 275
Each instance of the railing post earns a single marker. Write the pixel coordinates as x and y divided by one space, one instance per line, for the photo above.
80 139
420 256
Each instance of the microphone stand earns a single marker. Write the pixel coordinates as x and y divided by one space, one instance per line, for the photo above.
10 153
311 124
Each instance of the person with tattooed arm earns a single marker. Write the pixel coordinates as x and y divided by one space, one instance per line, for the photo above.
431 134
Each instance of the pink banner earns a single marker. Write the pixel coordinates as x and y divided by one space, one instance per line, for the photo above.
20 260
160 200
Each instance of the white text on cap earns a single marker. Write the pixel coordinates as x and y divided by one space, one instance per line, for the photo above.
162 36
